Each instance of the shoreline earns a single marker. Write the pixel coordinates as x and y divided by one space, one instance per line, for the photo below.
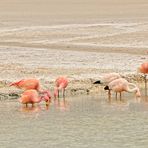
75 88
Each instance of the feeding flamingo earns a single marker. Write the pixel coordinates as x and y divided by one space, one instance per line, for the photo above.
61 84
120 85
144 69
107 78
27 84
32 96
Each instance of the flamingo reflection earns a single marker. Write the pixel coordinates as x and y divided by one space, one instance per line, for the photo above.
61 104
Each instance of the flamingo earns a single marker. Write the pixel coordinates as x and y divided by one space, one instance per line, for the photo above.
144 69
61 84
27 84
32 96
120 85
107 78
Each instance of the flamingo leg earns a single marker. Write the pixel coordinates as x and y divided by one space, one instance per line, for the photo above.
26 105
116 96
145 85
64 93
120 96
58 94
109 95
32 104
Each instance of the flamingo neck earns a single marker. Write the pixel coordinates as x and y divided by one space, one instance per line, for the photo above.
60 87
40 99
135 89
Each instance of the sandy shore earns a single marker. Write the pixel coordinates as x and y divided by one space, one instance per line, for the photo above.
80 40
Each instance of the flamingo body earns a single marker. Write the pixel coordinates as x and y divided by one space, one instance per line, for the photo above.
120 85
107 78
32 96
144 68
27 84
61 83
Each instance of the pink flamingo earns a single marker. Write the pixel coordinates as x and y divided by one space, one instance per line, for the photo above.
107 78
144 69
61 84
32 96
27 84
120 85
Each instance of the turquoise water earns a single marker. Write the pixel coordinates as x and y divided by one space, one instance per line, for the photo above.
77 122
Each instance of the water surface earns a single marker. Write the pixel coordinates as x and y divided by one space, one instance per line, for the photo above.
77 122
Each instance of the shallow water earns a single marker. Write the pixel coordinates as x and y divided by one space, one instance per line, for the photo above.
86 121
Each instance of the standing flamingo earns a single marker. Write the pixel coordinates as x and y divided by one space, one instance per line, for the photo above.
144 69
61 84
120 85
32 96
27 84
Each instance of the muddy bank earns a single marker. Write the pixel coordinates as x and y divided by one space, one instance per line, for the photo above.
75 87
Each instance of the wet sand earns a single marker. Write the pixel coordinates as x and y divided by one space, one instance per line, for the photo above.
78 39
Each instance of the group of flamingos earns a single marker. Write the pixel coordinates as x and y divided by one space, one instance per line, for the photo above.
32 91
113 82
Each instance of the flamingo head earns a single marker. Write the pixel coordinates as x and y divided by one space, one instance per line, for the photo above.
16 84
106 88
13 84
137 93
46 96
97 82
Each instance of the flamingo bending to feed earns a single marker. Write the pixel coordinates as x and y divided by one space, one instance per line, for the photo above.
107 78
144 69
32 96
61 84
120 85
27 84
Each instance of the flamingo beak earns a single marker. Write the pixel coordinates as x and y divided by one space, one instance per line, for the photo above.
97 82
11 84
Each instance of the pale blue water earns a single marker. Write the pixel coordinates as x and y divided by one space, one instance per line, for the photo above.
80 122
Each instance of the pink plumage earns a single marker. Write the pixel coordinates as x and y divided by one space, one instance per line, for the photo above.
120 85
27 84
60 84
32 96
144 68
